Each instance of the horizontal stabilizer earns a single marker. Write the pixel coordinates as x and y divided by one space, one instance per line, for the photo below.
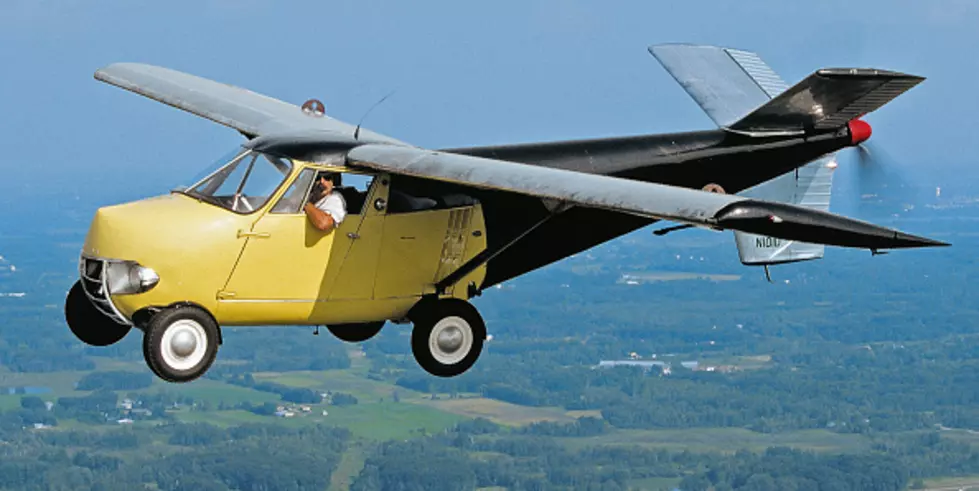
826 100
741 93
809 186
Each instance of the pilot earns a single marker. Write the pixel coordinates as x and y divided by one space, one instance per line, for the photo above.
326 208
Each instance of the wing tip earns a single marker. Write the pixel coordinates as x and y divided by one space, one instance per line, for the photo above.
869 73
111 71
903 240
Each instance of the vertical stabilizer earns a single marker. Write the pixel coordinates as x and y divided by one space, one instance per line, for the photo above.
728 84
809 186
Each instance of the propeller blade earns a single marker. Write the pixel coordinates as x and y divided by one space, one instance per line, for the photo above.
880 186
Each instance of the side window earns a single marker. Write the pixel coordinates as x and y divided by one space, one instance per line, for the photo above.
409 195
354 188
292 201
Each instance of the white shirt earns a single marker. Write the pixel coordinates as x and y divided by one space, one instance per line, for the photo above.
334 205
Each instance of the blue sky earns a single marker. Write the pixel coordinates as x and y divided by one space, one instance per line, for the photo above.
465 74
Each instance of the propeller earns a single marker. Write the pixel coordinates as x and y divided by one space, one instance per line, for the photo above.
880 187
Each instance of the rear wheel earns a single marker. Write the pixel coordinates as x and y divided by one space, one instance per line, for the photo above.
87 323
356 333
447 337
180 343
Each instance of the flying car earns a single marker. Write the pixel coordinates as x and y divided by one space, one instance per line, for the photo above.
428 230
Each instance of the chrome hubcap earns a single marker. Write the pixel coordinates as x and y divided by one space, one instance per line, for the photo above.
184 344
451 340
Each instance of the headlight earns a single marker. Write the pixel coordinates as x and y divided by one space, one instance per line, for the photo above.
128 277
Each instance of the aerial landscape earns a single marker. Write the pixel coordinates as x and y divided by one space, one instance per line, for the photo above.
647 362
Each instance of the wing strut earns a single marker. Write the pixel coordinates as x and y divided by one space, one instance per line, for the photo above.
489 253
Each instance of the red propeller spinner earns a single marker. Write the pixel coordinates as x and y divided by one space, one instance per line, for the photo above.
859 131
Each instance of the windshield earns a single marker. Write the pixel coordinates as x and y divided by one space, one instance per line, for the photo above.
210 169
245 184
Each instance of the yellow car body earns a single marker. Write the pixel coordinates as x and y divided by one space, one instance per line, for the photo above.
264 268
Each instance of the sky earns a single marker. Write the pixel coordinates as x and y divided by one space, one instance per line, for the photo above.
464 73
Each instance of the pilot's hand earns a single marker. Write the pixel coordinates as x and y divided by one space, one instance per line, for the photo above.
315 194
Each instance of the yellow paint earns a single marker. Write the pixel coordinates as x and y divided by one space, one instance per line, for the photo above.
410 253
355 279
192 246
316 312
358 266
475 243
265 268
423 247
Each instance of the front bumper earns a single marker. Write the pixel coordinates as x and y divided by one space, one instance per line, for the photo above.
92 272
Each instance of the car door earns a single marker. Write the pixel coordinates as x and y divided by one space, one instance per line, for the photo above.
426 237
288 267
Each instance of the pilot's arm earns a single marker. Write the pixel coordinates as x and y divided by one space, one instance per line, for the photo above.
319 218
328 213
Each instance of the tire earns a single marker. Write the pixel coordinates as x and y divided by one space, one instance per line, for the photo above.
180 343
88 324
356 333
447 337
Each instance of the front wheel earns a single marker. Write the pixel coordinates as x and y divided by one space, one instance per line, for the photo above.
180 343
87 323
447 337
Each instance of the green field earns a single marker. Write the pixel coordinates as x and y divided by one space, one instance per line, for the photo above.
349 467
9 402
726 440
369 392
347 381
389 420
60 383
214 392
236 417
966 483
500 412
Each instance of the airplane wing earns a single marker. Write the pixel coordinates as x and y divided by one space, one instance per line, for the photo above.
248 112
645 199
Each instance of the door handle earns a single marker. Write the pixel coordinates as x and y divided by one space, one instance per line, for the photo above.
261 235
353 235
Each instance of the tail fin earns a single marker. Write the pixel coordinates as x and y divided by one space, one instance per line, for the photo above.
726 83
809 186
729 84
741 93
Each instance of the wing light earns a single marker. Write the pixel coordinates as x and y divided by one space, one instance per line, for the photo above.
314 108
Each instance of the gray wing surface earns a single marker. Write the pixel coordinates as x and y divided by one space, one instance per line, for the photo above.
651 200
577 188
248 112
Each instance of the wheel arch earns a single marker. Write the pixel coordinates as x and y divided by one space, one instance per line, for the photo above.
422 306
